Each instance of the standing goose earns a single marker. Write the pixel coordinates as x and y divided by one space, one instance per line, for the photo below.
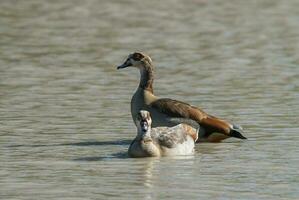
169 112
160 141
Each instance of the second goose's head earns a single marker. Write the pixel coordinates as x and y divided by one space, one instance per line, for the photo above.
138 60
144 122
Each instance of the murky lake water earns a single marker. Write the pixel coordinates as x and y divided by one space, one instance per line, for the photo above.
65 122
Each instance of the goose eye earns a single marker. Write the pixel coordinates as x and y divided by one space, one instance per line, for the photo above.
137 56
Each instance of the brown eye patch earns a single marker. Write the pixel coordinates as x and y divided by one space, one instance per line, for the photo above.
137 56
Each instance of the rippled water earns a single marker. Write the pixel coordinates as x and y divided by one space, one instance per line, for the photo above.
65 123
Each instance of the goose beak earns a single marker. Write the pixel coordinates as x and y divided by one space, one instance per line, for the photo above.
125 64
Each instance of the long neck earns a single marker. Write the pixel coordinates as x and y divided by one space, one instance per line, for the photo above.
143 135
147 77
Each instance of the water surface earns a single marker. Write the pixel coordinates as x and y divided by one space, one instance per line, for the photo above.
65 122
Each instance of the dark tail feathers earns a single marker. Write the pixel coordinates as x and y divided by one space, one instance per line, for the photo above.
236 132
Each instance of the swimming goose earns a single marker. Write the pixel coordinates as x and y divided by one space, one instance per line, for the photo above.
160 141
169 112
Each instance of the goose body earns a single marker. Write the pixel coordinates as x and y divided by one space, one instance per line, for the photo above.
168 112
160 141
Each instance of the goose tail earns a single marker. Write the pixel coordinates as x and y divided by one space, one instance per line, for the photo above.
236 132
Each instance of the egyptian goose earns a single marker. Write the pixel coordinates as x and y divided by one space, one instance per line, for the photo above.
160 141
169 112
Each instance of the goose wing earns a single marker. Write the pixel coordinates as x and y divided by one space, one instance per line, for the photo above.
175 108
179 109
170 137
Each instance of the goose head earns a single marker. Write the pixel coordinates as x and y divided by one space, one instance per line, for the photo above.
144 121
144 144
137 59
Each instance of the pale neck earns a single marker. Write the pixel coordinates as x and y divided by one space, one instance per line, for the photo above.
146 77
141 135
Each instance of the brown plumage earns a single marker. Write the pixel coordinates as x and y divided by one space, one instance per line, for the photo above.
169 112
178 109
191 131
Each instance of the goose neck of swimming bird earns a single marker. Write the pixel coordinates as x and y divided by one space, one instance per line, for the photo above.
144 135
147 77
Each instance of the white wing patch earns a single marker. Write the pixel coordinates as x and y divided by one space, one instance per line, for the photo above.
173 140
